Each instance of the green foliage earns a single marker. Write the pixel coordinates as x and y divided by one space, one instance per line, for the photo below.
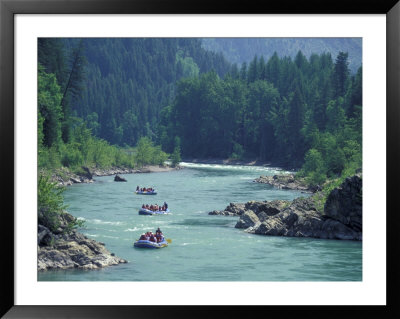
72 224
314 167
298 112
49 157
129 80
159 156
144 151
186 66
238 152
51 207
71 155
49 99
50 202
50 195
176 156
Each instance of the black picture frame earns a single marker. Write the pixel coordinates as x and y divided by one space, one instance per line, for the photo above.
8 8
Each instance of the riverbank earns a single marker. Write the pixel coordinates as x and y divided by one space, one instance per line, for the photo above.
340 218
244 162
65 177
202 245
288 181
226 161
63 248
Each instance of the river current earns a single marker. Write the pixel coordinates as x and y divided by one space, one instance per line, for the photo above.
204 247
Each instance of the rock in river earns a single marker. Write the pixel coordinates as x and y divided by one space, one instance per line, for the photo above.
64 250
118 178
341 219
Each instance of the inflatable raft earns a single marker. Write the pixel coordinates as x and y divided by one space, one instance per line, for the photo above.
144 211
145 193
150 244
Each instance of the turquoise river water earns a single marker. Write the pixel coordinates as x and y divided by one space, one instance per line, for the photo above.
204 247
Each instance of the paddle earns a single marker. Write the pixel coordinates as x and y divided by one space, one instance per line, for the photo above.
169 240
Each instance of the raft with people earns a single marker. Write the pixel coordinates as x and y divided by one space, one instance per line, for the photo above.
154 209
145 191
144 211
150 240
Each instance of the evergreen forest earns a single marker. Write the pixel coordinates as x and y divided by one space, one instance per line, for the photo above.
131 102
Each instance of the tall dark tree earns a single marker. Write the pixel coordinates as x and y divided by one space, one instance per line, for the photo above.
341 74
296 115
74 85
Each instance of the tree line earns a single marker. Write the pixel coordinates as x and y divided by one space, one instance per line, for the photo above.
67 139
128 81
130 102
300 113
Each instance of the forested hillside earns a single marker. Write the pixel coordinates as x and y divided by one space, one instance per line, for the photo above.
291 112
128 81
239 50
171 95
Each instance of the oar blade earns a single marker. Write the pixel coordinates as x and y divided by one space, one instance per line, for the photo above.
169 240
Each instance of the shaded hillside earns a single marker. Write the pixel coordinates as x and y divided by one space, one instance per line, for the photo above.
129 80
239 50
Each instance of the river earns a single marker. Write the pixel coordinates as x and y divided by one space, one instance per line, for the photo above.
204 247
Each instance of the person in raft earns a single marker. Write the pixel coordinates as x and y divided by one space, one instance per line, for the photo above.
154 207
159 235
157 238
150 236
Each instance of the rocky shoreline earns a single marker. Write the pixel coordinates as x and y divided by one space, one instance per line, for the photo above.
341 217
64 248
64 177
288 181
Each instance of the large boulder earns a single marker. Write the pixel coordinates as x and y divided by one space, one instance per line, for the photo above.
270 208
118 178
342 218
62 247
248 219
236 209
45 236
231 210
333 229
75 250
344 203
293 221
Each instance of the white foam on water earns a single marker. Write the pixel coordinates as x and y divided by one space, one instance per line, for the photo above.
272 170
185 244
131 229
113 237
102 222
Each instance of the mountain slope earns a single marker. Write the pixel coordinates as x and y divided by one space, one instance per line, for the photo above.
239 50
